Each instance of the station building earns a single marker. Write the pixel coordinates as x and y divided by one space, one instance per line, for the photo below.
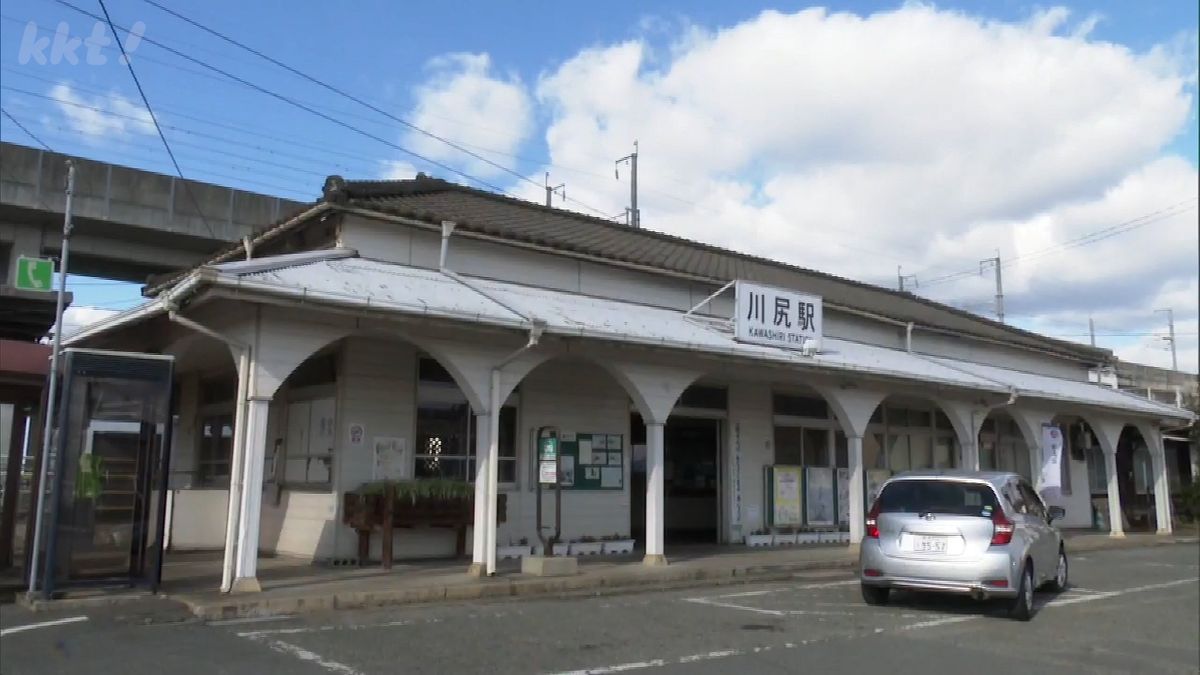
420 328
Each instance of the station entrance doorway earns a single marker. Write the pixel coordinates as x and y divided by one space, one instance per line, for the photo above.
691 480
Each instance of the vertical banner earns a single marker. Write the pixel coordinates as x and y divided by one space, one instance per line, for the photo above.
736 519
1052 450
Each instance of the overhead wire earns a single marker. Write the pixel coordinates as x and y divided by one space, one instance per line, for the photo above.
28 133
1082 240
150 110
341 92
290 101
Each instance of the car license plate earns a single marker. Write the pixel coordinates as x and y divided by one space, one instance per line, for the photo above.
931 544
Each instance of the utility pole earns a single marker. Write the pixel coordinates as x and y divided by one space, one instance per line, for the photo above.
995 262
1171 335
1092 330
51 397
635 216
561 189
900 277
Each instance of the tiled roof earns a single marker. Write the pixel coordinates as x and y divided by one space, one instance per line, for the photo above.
433 200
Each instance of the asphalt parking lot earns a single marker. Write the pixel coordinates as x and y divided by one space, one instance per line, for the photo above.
1133 610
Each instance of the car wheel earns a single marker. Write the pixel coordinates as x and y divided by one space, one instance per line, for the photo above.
1021 607
1059 583
875 595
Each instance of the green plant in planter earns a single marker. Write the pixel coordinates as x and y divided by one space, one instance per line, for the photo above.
88 479
438 489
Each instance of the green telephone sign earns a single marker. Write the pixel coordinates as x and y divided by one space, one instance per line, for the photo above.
34 274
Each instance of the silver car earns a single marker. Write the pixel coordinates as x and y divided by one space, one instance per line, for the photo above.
982 534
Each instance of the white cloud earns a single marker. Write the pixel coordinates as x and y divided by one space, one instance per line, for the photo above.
83 114
919 137
463 100
395 169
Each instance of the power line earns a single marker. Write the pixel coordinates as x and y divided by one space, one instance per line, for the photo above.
1082 240
292 102
27 131
355 99
154 118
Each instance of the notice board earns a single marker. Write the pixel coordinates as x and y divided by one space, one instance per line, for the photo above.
592 461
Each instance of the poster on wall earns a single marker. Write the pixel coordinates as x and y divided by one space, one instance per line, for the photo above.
843 496
392 461
566 476
821 499
875 480
786 509
356 433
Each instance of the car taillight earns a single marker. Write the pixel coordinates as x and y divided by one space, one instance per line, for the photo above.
1002 529
872 525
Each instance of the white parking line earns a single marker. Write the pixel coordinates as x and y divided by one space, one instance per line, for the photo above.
43 624
933 623
784 589
311 657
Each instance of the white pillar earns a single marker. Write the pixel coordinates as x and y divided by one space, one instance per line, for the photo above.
246 574
1116 529
655 507
970 453
1162 490
479 528
857 488
493 472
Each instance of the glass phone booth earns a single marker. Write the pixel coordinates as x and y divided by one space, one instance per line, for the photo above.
108 499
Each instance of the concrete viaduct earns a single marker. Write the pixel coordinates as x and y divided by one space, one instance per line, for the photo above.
129 224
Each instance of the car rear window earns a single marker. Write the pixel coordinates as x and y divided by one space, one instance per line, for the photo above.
938 496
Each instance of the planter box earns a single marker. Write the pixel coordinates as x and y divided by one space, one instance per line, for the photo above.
512 552
843 537
808 538
618 546
560 549
786 539
587 547
760 539
831 537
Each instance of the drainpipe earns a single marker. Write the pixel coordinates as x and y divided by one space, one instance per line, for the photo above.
248 247
535 335
239 441
908 337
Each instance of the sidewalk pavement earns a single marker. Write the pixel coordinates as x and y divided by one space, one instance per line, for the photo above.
291 586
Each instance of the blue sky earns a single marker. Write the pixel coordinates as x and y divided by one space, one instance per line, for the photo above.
515 83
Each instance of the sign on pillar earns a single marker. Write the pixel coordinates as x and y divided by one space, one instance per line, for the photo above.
34 274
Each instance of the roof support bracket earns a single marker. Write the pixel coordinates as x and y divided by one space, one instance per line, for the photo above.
711 297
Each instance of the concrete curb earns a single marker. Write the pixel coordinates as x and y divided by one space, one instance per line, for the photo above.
617 581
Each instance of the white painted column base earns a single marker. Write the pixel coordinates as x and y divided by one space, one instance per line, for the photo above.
246 585
655 506
478 566
1115 528
246 571
858 495
1162 495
